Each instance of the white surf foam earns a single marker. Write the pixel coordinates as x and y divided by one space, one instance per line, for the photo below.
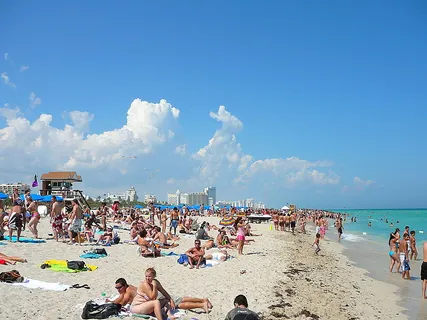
352 237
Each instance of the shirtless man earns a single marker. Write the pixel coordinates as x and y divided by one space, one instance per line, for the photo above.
127 292
424 270
56 219
293 221
413 245
338 225
195 255
103 210
16 218
174 220
161 241
76 223
404 257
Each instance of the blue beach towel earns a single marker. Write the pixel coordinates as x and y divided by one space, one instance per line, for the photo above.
167 254
3 244
25 240
91 255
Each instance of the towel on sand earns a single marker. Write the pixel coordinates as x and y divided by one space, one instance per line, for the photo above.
36 284
25 240
3 244
61 266
169 254
91 255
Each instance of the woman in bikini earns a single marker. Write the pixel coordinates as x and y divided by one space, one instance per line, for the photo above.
35 217
146 302
4 259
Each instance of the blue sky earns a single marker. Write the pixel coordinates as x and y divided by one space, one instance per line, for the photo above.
342 83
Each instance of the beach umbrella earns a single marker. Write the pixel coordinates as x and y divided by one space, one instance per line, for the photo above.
49 198
138 206
34 196
3 196
227 221
285 208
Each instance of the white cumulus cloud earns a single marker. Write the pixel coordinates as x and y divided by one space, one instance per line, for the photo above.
6 80
181 149
34 100
362 183
49 148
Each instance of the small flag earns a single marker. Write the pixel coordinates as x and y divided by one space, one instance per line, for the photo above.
35 183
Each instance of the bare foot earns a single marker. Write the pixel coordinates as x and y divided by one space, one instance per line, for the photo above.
206 307
210 305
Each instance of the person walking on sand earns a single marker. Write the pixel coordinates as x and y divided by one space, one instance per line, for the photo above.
404 257
338 225
424 271
414 252
316 244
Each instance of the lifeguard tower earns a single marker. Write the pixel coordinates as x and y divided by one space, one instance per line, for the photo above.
61 184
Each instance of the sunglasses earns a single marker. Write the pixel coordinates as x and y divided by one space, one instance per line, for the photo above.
118 288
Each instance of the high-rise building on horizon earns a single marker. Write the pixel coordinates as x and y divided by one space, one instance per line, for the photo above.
211 195
7 188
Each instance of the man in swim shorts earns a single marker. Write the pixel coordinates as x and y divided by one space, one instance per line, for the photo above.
404 257
424 271
174 220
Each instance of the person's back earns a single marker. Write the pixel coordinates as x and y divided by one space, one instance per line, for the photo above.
241 314
241 311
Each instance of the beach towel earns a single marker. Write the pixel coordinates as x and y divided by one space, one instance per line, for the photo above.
212 263
25 240
91 255
61 266
167 254
3 244
36 284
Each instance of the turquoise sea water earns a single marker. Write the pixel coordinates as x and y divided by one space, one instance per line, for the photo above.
379 230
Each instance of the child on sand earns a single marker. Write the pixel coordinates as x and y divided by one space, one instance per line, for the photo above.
316 244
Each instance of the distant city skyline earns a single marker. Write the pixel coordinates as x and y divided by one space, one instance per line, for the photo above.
319 105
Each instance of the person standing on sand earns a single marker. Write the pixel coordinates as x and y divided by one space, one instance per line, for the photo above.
338 225
424 271
56 219
316 244
293 221
76 222
404 257
394 257
413 245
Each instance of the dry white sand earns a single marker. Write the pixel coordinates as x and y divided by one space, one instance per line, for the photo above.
283 279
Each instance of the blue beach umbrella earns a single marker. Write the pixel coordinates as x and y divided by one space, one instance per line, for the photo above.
34 196
3 196
49 198
138 206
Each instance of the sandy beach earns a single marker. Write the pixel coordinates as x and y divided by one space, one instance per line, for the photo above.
279 274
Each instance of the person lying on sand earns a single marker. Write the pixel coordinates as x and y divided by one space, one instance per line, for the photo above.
221 255
146 299
195 255
127 292
11 259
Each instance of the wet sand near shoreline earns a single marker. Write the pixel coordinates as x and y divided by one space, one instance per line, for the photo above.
279 274
409 291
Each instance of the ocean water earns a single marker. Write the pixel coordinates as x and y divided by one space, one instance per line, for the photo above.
379 231
368 248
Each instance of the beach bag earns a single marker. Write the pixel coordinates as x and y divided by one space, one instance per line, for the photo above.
99 251
11 277
182 259
116 239
93 310
76 265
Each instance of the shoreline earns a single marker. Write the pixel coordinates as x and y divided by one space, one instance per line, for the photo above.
329 286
